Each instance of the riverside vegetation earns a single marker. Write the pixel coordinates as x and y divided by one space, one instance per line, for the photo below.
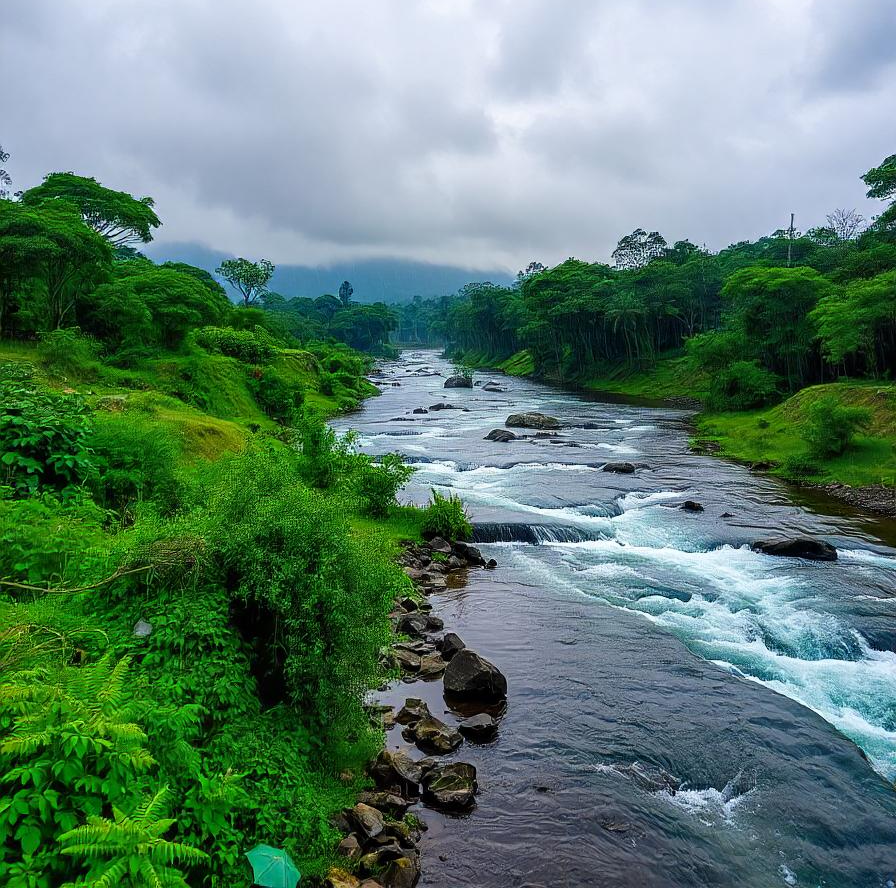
789 341
196 573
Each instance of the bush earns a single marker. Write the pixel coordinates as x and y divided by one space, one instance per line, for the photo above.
446 517
69 352
248 346
136 459
43 439
325 455
831 426
742 385
799 467
379 482
280 398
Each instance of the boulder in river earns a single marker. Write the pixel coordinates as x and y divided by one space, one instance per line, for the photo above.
797 547
413 711
471 677
450 644
691 506
451 786
532 421
420 410
459 382
479 728
444 405
619 468
397 770
493 387
502 436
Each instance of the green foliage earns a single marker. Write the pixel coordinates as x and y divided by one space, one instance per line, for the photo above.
250 278
742 385
248 346
116 215
379 483
279 396
325 455
831 426
43 439
446 517
68 352
800 467
135 459
130 850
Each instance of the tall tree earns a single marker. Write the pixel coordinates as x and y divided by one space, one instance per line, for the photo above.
846 224
881 182
345 293
250 278
5 178
118 216
639 248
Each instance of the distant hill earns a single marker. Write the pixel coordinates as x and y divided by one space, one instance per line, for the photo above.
374 280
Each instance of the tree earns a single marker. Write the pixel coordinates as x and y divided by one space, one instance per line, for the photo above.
5 178
639 248
881 182
846 224
531 269
250 278
119 217
345 293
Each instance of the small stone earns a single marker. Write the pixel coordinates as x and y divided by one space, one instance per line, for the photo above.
437 544
368 820
420 410
431 665
491 564
450 644
402 873
338 878
388 802
451 786
407 661
349 847
432 735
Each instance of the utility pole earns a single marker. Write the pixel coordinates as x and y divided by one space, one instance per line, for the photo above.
789 240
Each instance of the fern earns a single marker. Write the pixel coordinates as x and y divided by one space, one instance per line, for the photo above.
131 849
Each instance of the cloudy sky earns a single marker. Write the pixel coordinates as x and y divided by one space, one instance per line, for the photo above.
482 133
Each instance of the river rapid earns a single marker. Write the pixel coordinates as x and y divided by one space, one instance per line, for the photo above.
643 643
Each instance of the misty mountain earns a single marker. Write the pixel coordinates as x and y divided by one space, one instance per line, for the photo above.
374 280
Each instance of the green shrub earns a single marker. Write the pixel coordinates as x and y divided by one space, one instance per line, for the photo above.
831 426
43 439
799 467
249 346
69 352
136 459
326 457
742 385
379 482
279 397
446 517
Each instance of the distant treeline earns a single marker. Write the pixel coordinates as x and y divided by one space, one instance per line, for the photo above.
764 317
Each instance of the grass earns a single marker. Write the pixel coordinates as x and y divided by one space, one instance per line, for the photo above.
773 436
519 364
669 377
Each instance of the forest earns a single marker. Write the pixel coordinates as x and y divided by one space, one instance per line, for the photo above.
196 573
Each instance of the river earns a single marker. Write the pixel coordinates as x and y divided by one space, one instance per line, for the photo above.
641 641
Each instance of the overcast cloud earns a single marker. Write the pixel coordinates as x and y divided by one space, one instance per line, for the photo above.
483 133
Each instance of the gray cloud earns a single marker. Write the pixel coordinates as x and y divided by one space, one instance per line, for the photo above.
480 134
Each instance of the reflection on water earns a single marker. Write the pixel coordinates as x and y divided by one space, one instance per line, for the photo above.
633 631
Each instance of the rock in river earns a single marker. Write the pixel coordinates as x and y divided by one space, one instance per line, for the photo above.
798 547
691 506
479 728
450 786
502 436
434 736
532 421
458 382
620 468
449 644
471 677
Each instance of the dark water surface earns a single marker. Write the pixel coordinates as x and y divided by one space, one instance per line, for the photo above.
630 632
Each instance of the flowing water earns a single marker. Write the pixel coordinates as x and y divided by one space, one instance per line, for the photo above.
643 643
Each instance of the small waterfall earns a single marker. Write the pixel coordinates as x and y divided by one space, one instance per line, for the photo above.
533 534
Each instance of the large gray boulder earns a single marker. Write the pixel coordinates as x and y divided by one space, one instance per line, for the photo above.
471 677
532 421
368 821
619 468
458 382
451 787
798 547
434 736
502 436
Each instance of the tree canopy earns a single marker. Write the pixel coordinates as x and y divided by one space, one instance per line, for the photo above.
249 278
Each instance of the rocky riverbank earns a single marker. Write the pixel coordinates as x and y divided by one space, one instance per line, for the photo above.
382 832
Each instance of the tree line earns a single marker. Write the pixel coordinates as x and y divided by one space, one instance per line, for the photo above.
765 317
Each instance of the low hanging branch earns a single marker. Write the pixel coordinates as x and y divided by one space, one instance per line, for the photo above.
121 572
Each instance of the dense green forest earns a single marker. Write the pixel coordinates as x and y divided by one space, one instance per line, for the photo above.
741 329
195 572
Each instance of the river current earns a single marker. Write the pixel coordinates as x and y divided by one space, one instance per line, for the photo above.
646 646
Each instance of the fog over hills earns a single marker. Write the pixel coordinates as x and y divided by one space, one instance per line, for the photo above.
374 280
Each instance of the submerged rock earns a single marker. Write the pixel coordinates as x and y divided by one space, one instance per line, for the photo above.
451 787
471 677
691 506
532 421
798 547
479 728
620 468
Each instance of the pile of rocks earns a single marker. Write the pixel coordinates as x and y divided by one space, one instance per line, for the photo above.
381 839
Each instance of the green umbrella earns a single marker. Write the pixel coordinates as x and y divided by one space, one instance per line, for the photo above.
273 867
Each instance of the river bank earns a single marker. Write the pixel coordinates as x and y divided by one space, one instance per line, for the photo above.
677 703
768 440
